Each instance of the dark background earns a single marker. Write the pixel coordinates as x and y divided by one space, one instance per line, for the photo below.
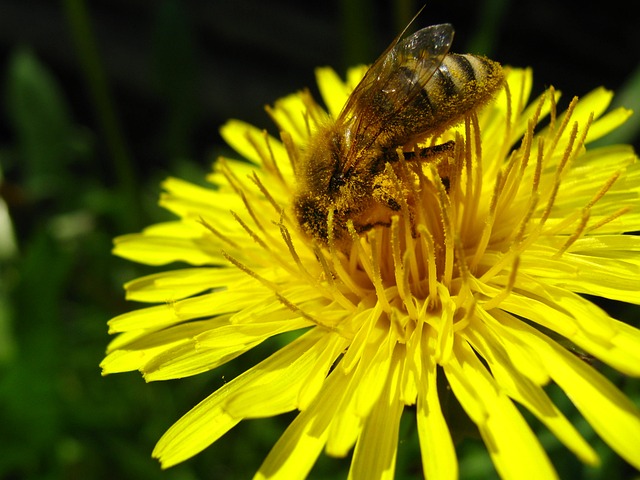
101 101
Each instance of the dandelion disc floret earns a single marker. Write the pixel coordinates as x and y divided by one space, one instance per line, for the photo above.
476 282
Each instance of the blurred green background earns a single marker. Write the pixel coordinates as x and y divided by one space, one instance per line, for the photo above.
101 100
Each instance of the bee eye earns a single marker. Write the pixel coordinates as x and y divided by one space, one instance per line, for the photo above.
337 180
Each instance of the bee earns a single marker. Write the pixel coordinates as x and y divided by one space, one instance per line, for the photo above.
415 90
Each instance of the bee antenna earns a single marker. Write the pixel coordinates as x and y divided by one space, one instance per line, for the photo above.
418 13
411 21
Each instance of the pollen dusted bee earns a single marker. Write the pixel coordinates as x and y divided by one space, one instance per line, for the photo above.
414 90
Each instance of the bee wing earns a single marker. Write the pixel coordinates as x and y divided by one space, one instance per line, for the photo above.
392 82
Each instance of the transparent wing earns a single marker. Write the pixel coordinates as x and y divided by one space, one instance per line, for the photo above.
392 82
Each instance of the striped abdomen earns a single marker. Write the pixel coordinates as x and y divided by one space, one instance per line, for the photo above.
460 84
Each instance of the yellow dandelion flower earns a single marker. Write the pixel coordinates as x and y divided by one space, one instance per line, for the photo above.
479 286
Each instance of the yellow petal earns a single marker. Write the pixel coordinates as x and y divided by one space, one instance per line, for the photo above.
436 446
611 414
199 428
289 114
606 265
366 385
133 350
514 449
203 306
237 135
152 249
209 420
332 89
375 452
317 377
296 450
178 284
179 188
497 350
278 390
596 332
608 123
200 356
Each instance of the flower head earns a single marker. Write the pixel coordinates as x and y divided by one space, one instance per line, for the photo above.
477 284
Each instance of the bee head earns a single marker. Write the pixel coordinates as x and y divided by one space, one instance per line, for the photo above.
312 213
337 180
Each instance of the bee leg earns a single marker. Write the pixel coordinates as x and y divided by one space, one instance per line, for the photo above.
385 197
429 153
435 153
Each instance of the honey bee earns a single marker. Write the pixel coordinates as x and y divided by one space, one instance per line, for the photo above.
415 90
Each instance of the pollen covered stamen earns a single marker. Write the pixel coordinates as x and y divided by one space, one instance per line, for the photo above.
401 273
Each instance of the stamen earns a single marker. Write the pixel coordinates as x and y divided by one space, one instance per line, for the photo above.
274 116
518 244
265 245
474 173
468 303
314 111
510 182
413 193
251 233
273 164
507 140
413 265
399 187
477 165
563 125
530 133
279 210
377 277
284 231
525 148
293 122
329 275
217 233
256 219
426 239
605 188
292 151
455 173
488 226
286 236
521 231
293 307
468 164
401 276
276 290
270 285
345 277
330 233
240 190
608 219
463 269
558 175
553 109
508 124
576 234
360 253
535 184
266 156
447 228
580 143
506 291
572 218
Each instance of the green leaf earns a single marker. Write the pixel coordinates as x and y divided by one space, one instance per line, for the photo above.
40 119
